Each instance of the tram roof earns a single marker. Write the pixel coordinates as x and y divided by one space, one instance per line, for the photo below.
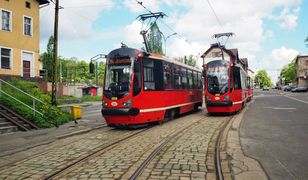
131 52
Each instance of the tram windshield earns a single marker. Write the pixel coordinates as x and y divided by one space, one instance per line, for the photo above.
217 77
118 77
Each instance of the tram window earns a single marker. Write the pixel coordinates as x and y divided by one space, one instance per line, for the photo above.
190 79
153 74
200 81
167 76
148 74
237 78
177 77
243 79
184 78
158 75
137 78
195 80
231 80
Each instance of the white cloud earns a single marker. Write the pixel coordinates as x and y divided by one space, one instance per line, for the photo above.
276 60
75 20
197 23
131 34
287 18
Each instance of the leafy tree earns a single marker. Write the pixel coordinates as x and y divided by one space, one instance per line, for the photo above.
191 61
288 72
306 41
263 79
155 39
47 58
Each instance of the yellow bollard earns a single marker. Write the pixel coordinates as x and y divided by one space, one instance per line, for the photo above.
76 112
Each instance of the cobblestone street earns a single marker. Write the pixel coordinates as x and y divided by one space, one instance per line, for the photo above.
184 156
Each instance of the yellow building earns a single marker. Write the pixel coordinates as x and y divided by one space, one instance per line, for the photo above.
19 37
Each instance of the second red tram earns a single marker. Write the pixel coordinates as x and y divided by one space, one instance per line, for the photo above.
141 87
225 80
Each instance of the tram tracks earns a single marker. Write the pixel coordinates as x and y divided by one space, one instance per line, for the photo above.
68 170
156 146
147 157
94 153
222 132
157 150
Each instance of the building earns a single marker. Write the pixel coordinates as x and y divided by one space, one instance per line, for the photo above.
19 37
302 70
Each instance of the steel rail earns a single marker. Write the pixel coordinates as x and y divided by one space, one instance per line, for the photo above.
219 173
158 150
56 174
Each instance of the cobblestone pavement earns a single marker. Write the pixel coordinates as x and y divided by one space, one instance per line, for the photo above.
185 157
57 154
121 161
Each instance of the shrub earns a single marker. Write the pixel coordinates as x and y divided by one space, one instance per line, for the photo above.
52 116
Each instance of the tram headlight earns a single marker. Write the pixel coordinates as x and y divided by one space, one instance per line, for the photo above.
127 103
227 98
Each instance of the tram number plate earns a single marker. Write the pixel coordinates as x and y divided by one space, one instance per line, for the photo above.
217 94
114 98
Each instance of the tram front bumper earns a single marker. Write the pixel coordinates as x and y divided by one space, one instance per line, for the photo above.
219 104
120 111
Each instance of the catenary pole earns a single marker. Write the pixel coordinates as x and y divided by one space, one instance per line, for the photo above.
55 57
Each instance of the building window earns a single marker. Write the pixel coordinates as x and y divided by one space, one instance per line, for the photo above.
28 26
28 5
306 62
216 54
6 20
6 56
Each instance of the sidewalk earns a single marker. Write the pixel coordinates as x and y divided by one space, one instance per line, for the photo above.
19 141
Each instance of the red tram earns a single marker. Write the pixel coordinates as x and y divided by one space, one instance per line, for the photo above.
141 87
225 80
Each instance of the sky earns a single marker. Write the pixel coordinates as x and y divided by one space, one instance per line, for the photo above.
270 33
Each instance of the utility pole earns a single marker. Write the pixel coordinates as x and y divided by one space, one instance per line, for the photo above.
55 57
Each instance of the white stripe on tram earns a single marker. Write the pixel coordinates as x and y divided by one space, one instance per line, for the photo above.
239 102
168 107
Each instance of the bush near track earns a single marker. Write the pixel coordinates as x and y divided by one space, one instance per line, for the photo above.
52 116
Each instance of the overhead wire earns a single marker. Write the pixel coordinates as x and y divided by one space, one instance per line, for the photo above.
218 20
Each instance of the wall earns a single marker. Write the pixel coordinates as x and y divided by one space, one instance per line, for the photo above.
16 38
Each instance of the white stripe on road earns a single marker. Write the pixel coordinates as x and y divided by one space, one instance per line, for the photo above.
280 108
296 99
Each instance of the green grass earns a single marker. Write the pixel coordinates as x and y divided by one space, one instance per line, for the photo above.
52 116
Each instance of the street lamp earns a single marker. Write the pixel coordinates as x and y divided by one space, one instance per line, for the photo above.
165 39
95 58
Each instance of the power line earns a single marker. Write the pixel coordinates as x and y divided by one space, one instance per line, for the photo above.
218 20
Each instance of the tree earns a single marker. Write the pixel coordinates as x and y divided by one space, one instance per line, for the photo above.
47 58
262 79
191 61
288 72
155 39
306 41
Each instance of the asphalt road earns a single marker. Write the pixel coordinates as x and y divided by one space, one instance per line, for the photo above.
275 130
